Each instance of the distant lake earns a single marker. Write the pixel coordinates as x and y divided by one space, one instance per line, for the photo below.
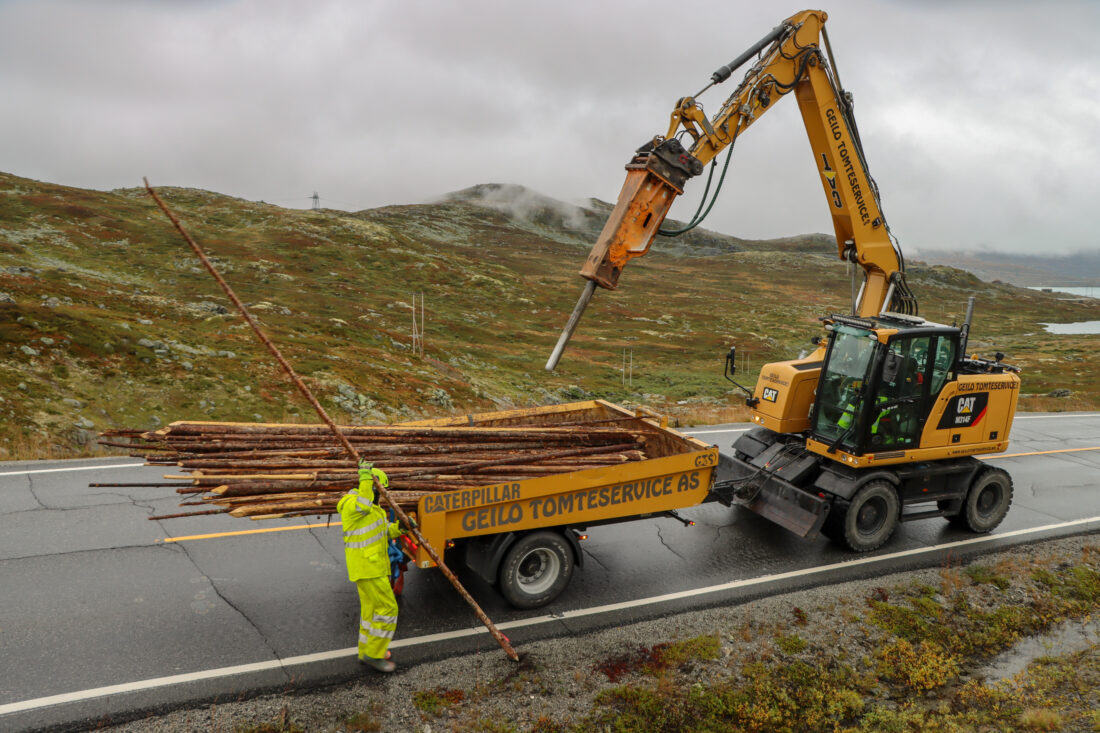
1081 326
1089 292
1073 328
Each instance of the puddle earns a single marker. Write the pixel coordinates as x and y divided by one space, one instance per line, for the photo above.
1078 327
1069 637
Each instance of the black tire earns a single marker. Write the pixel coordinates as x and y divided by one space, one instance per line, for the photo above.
956 519
987 501
536 569
868 520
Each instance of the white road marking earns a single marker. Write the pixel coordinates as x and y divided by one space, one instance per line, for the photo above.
77 468
70 697
1053 417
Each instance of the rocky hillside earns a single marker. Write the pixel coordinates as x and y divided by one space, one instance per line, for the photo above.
108 321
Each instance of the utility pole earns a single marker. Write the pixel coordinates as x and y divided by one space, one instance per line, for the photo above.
418 327
316 201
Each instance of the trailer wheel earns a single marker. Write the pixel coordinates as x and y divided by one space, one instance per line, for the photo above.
987 501
536 569
868 520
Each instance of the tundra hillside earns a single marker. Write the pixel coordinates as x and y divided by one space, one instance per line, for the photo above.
108 321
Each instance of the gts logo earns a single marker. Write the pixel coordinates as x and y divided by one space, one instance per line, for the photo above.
830 179
770 394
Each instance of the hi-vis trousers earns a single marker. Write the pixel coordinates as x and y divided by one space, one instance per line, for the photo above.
378 616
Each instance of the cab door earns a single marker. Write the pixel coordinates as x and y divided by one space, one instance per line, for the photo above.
899 404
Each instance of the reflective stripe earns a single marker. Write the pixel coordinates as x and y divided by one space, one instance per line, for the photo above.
363 638
363 530
379 619
372 540
364 508
382 633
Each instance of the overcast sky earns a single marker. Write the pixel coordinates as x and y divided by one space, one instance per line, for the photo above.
981 120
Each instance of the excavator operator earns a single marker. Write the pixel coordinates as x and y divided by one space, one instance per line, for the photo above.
367 533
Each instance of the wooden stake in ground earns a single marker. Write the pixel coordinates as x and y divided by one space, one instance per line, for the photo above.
381 490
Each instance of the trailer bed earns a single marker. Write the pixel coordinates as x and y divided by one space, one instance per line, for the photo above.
678 472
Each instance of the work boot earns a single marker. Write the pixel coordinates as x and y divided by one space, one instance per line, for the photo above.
379 665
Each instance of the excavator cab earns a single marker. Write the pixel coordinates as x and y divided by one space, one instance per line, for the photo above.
879 381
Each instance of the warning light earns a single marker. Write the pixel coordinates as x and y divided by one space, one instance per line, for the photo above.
582 537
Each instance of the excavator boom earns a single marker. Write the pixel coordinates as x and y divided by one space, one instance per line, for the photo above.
791 59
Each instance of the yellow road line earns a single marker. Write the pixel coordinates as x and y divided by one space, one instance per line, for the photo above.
244 531
1039 453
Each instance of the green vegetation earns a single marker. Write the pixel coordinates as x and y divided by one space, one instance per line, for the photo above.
435 701
107 321
918 650
792 644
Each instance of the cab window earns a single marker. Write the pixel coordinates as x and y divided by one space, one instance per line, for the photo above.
943 363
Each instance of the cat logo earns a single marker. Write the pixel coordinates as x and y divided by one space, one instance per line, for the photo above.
770 394
964 411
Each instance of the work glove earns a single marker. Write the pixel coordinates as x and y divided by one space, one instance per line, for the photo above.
365 470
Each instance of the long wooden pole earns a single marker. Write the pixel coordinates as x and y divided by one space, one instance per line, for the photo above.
401 515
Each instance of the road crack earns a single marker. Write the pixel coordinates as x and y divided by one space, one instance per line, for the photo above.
34 494
667 547
337 560
226 601
590 554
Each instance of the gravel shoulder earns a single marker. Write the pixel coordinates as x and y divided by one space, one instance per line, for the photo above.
569 683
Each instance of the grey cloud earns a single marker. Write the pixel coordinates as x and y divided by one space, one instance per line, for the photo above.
978 117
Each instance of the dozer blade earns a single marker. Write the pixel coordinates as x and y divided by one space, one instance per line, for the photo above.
770 496
790 508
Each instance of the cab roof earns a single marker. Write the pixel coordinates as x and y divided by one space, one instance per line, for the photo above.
900 323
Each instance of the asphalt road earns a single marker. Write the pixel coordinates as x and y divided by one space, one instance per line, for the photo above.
103 615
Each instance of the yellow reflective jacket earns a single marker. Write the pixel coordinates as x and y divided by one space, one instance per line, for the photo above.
366 531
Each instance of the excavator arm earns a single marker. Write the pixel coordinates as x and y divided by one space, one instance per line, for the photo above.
791 59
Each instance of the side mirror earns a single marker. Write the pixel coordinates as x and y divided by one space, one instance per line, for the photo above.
731 361
890 367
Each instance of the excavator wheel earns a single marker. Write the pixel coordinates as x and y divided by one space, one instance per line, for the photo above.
868 520
986 502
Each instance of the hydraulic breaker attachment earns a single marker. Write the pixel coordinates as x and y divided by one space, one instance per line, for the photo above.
654 178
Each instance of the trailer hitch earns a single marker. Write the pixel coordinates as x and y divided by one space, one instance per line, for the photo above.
686 522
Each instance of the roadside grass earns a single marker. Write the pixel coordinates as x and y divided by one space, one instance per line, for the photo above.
435 701
921 648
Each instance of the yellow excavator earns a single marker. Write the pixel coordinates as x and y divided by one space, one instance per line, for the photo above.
882 422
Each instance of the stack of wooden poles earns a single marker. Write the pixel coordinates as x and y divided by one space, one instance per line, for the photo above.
266 471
